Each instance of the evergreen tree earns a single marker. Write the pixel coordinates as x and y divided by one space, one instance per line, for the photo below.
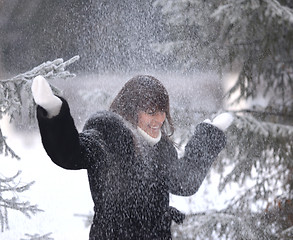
15 93
253 38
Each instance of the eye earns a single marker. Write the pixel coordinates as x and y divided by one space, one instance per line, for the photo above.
151 111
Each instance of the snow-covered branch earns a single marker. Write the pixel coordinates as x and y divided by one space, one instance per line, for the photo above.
275 9
9 186
38 237
87 218
15 95
264 128
224 224
254 39
4 148
15 92
49 70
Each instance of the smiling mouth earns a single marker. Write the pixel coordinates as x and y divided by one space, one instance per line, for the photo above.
155 128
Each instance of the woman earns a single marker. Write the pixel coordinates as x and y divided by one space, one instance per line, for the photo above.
132 164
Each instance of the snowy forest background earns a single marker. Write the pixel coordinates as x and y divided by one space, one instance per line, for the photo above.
213 56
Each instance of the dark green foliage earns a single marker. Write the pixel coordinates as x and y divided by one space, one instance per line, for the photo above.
253 38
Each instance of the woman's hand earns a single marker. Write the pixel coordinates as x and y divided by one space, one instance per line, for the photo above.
44 97
222 121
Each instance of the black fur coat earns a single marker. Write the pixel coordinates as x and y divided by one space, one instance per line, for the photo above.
130 181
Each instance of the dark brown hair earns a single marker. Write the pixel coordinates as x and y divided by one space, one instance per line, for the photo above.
143 93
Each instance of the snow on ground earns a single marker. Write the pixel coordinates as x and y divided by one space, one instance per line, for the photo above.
60 193
206 198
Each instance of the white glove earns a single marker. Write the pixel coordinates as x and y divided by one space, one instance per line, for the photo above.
222 121
44 97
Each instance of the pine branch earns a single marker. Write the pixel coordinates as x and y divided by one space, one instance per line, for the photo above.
12 99
10 89
263 128
12 95
49 70
275 9
263 113
12 92
37 237
5 148
287 233
14 203
256 192
226 224
87 218
263 146
259 143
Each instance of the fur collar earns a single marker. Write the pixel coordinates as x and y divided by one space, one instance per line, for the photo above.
152 141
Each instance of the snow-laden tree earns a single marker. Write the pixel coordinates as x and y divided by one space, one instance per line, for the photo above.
255 39
15 95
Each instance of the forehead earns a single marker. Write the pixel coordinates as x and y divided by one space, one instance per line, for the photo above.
142 115
153 106
153 100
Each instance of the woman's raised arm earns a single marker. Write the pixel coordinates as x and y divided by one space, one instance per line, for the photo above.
188 173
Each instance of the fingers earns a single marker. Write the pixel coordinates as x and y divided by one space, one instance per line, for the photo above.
44 96
207 121
41 90
223 121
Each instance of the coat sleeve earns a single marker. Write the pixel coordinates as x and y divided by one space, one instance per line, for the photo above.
188 173
61 140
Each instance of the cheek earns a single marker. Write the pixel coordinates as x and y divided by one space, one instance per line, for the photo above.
147 121
143 120
163 117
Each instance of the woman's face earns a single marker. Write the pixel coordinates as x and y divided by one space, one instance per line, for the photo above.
151 122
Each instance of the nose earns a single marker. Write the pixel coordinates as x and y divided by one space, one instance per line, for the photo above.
159 117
